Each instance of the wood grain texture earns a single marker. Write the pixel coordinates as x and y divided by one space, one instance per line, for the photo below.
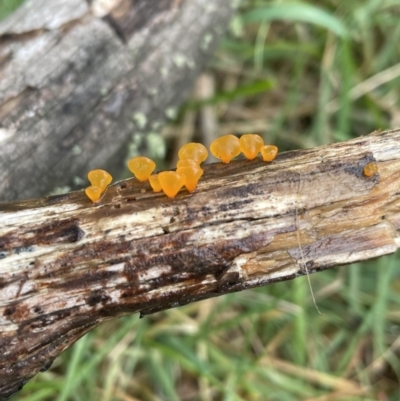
66 264
78 81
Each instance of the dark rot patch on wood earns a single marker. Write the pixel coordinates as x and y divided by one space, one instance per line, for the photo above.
357 168
10 310
86 279
41 321
234 205
61 232
172 255
65 231
242 193
96 298
37 309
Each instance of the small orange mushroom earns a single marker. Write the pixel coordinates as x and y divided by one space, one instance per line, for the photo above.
93 193
225 148
100 178
171 182
192 175
193 151
370 169
155 183
250 145
141 167
269 152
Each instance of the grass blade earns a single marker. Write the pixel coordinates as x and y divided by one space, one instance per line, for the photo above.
297 12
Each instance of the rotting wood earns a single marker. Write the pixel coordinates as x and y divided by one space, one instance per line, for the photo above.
66 264
78 81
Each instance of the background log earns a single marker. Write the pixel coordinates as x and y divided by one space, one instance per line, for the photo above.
67 264
79 80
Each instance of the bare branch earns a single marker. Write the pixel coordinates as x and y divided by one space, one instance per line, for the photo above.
67 264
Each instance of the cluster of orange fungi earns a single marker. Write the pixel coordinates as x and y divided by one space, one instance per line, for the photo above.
188 170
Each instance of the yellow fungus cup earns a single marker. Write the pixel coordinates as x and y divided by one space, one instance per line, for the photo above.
141 167
99 178
155 183
93 193
225 148
193 151
269 152
171 182
250 145
192 176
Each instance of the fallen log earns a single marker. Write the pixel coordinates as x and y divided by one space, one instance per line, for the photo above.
66 264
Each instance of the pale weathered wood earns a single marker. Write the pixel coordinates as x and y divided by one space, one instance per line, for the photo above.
78 81
67 264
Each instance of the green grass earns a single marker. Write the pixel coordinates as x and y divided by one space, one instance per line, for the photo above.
296 73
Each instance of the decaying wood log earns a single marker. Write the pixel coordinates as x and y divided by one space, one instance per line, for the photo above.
66 264
77 82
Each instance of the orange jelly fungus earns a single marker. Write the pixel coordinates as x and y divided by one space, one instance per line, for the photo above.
193 151
186 163
225 148
155 183
192 174
141 167
269 152
250 145
370 169
93 193
99 178
171 182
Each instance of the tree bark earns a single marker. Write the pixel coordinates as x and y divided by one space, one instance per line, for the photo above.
67 264
77 82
